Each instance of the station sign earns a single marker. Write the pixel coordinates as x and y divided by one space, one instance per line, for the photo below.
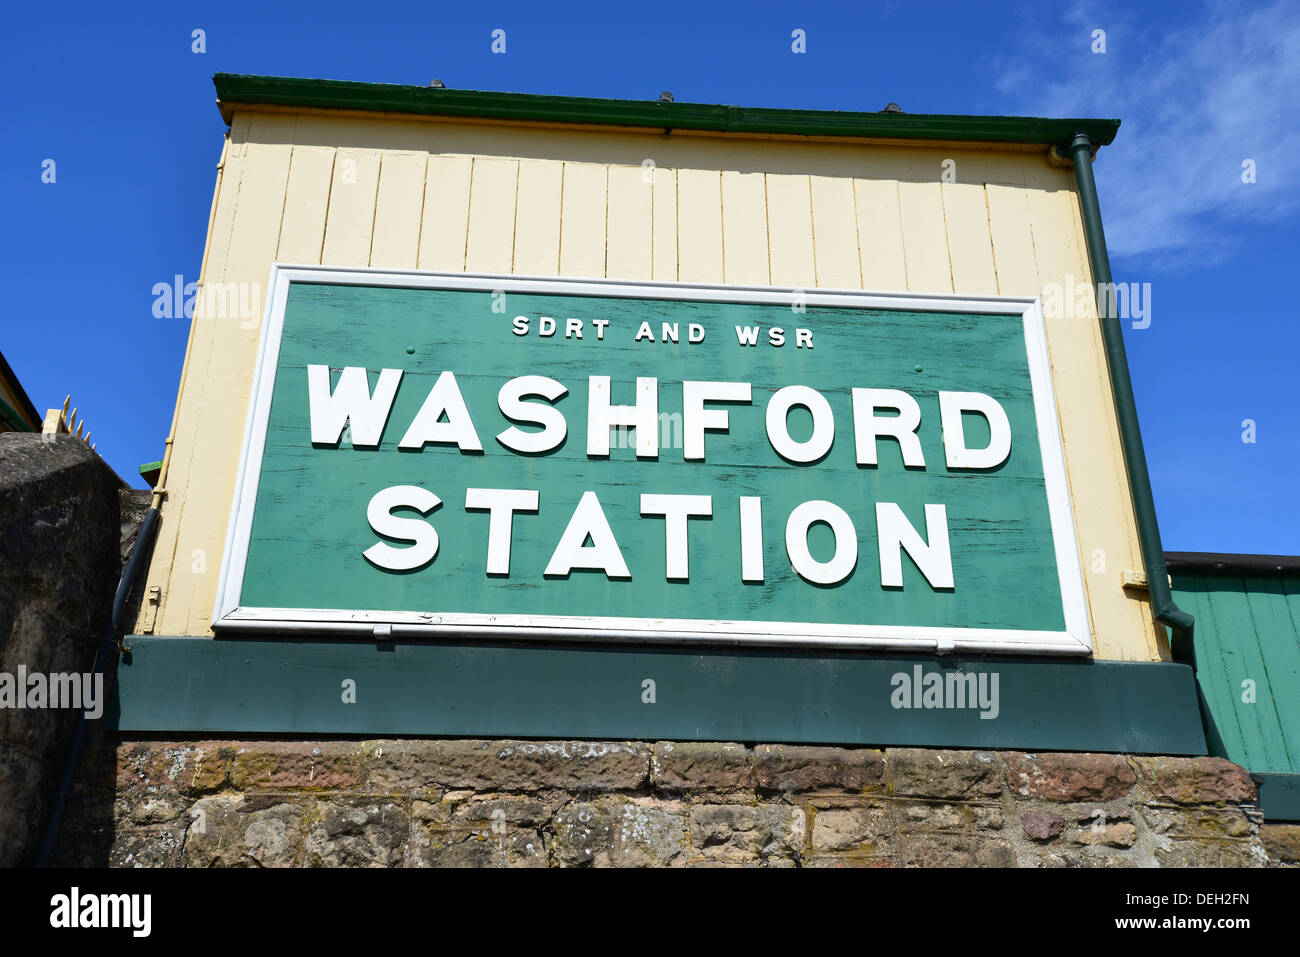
590 460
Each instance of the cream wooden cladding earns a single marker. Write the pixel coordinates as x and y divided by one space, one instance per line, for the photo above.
413 194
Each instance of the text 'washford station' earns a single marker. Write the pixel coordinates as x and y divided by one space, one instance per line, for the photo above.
589 542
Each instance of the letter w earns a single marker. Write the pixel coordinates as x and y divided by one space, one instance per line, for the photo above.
747 335
350 401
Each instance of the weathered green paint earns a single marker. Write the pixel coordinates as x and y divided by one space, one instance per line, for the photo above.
1248 646
310 528
248 685
427 101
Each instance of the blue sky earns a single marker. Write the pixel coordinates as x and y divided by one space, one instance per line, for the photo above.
127 112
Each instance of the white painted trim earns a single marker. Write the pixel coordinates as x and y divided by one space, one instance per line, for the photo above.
230 615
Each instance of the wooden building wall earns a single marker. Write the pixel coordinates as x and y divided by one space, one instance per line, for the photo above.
415 193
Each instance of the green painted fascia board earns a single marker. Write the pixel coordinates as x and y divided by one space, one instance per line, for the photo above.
430 101
294 686
1279 796
150 467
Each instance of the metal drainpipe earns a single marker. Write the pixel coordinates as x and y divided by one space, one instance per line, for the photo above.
1164 608
108 648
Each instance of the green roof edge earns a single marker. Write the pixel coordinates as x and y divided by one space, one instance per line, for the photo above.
655 114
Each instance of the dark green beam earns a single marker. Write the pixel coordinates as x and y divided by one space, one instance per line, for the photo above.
1279 796
429 101
243 686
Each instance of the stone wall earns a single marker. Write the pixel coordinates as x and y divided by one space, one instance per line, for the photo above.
413 803
59 566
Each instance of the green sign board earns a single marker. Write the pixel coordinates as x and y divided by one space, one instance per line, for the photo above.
595 460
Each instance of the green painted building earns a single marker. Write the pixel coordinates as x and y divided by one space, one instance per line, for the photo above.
1247 610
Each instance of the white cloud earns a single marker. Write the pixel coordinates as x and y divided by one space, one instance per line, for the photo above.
1199 92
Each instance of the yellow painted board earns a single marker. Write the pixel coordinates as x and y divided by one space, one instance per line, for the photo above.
744 229
835 233
663 251
1013 240
699 226
199 349
205 466
631 222
970 248
445 221
880 235
350 222
311 169
398 208
925 237
582 220
790 230
491 240
1094 456
537 218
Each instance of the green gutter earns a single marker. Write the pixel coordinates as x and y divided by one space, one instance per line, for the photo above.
654 114
1163 606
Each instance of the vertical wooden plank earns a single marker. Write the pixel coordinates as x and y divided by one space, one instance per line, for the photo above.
254 236
444 225
396 243
489 246
350 222
969 248
537 218
699 225
1062 254
1094 458
790 231
1013 241
664 239
582 220
631 222
302 232
880 235
925 237
744 229
835 233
